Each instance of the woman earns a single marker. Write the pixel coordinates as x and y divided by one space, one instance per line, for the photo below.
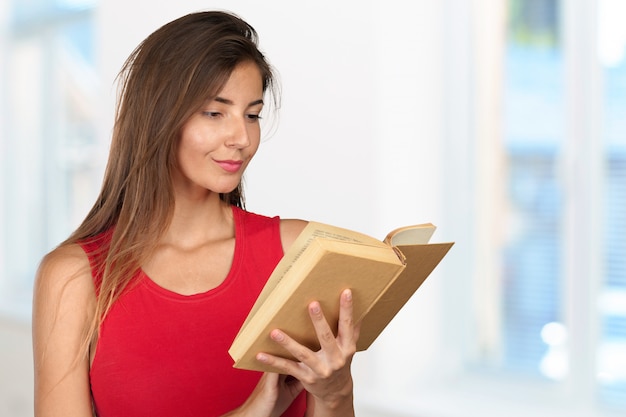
134 313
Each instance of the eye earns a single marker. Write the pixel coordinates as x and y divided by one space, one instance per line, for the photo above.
253 117
212 114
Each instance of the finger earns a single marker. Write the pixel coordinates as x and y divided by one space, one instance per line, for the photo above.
325 335
284 366
357 331
346 332
271 379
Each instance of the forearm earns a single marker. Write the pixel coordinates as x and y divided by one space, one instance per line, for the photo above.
340 405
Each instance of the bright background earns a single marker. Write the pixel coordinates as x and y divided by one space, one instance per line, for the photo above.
503 122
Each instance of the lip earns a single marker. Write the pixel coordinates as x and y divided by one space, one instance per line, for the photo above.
230 165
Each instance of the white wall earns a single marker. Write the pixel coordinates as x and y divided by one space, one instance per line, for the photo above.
359 137
359 133
358 145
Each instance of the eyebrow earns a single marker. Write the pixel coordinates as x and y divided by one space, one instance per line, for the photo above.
230 102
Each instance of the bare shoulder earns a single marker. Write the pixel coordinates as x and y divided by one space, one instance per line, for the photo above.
66 256
63 282
65 266
63 307
290 229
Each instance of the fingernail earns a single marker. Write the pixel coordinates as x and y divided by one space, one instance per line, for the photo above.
348 294
277 336
315 308
261 357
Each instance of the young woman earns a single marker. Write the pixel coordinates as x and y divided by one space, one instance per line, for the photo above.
134 313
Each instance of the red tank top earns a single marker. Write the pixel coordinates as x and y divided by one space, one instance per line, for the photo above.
160 353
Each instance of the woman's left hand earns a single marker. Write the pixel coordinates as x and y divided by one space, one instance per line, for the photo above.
325 374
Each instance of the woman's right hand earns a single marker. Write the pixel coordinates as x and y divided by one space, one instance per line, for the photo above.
271 397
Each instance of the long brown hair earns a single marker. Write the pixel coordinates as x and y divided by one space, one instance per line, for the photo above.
163 83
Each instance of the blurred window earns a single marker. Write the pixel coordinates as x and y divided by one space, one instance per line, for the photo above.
534 97
611 357
563 263
48 173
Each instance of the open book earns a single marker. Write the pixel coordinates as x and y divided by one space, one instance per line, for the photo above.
322 262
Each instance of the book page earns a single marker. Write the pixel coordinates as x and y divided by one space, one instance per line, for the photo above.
323 261
315 230
323 271
418 234
312 231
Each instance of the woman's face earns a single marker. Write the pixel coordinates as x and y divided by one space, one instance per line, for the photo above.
218 142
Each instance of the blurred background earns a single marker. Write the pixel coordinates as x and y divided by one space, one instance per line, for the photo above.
501 121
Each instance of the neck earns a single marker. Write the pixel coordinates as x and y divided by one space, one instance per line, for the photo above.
196 222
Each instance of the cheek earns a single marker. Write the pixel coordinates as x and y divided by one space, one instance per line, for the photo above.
253 148
255 140
191 144
188 154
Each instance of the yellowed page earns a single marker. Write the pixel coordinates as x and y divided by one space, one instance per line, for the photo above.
418 234
312 231
323 272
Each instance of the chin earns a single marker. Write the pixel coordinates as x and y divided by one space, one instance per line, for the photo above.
224 190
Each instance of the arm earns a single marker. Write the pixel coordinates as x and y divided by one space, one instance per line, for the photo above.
270 398
325 374
63 306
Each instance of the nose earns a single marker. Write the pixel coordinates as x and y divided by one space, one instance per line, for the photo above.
238 135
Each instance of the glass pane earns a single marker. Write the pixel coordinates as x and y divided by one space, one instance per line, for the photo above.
612 349
533 336
49 170
23 171
26 11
